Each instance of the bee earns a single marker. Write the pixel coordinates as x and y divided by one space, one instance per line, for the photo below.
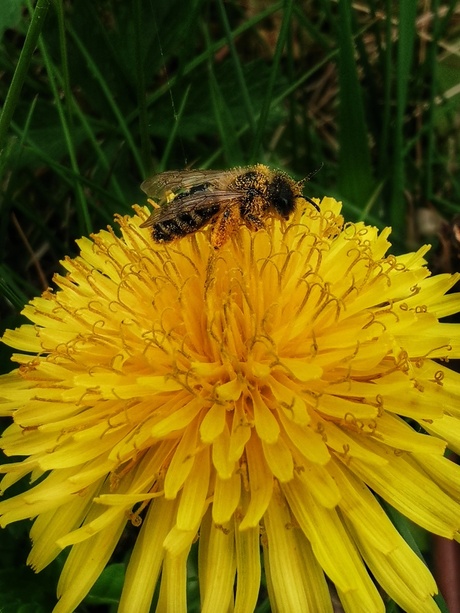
191 199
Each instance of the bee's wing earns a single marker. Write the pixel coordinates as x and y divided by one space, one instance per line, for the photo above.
175 180
192 202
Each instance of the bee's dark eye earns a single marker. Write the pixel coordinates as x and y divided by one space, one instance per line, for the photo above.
282 197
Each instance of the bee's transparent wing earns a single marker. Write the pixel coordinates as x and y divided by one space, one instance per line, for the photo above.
176 180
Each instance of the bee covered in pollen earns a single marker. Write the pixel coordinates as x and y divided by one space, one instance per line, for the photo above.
191 199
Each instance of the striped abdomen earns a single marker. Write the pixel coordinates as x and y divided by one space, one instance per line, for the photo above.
183 223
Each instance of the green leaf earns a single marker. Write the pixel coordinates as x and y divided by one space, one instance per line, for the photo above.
407 23
10 14
355 174
107 589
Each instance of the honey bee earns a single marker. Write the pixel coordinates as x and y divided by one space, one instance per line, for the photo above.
191 199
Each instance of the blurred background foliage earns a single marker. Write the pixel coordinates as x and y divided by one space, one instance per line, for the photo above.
99 94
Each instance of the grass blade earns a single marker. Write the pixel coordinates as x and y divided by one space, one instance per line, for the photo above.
406 38
282 38
355 171
120 119
14 91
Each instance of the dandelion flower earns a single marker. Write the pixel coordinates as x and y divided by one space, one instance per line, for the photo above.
256 399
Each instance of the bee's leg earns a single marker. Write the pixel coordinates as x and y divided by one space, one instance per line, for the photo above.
253 214
224 225
253 222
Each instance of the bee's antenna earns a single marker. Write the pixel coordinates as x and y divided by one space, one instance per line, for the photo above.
307 178
310 201
312 174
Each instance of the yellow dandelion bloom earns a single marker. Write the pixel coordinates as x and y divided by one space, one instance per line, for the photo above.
255 399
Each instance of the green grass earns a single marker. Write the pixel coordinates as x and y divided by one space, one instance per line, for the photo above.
99 95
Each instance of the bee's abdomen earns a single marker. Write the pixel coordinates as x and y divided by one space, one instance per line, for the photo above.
184 223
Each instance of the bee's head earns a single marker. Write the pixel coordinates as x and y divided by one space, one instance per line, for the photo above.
282 196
